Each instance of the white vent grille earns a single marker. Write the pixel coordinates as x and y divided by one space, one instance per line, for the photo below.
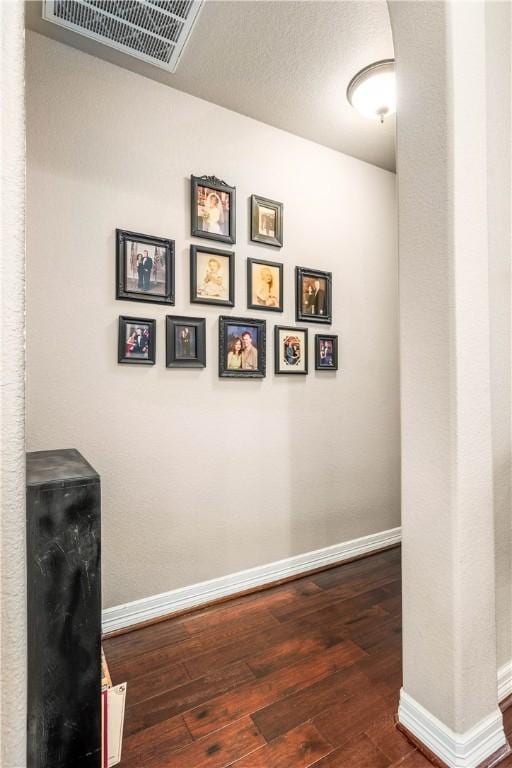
151 30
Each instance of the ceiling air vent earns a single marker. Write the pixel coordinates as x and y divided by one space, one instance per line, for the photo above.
152 30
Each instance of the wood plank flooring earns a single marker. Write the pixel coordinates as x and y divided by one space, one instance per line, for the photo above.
302 675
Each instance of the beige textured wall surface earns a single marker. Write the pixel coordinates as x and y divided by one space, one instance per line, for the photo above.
203 477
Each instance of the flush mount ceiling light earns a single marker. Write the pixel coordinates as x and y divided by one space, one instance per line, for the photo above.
372 91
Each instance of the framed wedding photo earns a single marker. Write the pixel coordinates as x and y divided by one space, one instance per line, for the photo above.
212 276
313 295
242 347
290 350
185 342
266 221
264 285
136 340
144 268
326 353
213 209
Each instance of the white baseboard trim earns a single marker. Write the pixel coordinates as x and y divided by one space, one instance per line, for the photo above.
167 603
505 680
457 750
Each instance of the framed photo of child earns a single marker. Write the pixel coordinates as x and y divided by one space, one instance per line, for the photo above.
212 276
264 285
213 209
144 268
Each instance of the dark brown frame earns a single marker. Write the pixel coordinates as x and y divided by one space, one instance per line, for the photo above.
277 357
194 298
261 307
334 339
171 358
216 185
300 274
123 321
261 326
122 235
256 237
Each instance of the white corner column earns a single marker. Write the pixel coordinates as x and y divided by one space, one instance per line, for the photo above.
12 391
449 697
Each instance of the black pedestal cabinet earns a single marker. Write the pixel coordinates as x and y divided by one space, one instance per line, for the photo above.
64 611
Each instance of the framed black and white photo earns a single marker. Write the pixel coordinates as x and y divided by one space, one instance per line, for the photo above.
185 342
242 347
136 343
326 352
264 285
313 295
213 209
266 221
212 276
290 350
144 268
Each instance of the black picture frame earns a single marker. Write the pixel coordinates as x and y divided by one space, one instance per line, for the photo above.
198 297
252 326
257 236
260 301
122 356
127 292
198 223
319 337
303 313
176 358
294 369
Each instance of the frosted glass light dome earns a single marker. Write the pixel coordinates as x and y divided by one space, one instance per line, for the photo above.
373 90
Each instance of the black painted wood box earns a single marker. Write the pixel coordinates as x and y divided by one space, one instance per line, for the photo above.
64 611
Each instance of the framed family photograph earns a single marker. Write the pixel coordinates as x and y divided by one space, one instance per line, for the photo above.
212 276
290 350
213 205
326 353
136 340
185 342
264 285
242 347
144 268
313 295
266 221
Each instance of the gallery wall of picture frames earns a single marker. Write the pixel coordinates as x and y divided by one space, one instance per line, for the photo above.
145 272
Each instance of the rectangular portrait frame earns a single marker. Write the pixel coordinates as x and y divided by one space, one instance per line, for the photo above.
323 366
257 236
241 325
216 185
195 296
292 333
176 358
261 305
127 292
319 310
122 356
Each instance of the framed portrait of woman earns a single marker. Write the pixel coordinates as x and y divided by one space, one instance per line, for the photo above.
290 350
266 221
242 347
313 295
136 340
264 285
326 352
213 209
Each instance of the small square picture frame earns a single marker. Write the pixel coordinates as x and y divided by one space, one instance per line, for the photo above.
313 295
266 221
212 276
136 340
144 268
290 350
185 342
213 209
264 285
241 357
326 352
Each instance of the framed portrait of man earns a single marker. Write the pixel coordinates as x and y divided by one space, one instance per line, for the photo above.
185 342
242 347
266 221
144 268
313 295
136 341
213 209
326 352
290 350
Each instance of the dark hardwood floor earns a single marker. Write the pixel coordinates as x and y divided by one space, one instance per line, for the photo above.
304 674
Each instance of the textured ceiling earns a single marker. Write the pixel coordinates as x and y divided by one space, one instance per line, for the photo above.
283 62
